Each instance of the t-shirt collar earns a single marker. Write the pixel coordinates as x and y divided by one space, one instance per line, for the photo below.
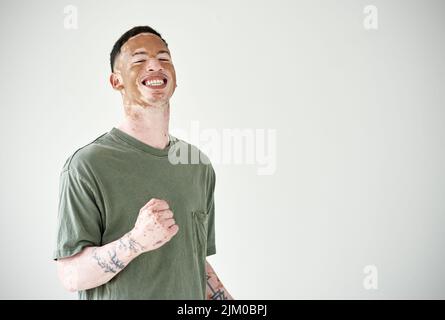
142 145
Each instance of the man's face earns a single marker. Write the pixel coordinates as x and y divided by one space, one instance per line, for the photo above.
144 71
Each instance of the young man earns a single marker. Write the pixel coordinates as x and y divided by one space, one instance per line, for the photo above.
132 224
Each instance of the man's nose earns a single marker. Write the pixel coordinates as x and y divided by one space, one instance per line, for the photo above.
153 64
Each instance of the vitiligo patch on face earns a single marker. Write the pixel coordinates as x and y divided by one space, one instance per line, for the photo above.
147 72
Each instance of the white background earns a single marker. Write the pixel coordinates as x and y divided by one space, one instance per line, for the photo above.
358 113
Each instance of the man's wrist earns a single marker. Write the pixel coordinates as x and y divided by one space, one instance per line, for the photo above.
129 246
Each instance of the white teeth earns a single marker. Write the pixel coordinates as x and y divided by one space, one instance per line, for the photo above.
154 82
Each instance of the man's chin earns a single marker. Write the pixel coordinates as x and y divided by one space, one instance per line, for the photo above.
154 100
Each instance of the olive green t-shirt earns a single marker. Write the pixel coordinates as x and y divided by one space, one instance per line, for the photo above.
104 184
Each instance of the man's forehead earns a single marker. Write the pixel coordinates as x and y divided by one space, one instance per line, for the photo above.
143 41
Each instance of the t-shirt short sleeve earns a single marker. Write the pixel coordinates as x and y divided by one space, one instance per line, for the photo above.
79 218
211 245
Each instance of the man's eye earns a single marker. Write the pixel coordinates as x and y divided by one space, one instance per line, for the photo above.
139 61
163 59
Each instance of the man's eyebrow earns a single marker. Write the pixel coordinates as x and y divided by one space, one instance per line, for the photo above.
145 52
139 52
164 51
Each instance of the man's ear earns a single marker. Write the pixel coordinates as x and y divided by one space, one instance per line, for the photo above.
116 81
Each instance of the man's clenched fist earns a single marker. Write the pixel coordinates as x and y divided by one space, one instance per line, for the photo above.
155 225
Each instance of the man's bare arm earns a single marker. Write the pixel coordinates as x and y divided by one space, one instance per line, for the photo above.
215 289
94 266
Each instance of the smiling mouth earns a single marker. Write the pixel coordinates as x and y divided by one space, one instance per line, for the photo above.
154 82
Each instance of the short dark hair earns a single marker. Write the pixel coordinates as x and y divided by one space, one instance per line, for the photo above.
127 35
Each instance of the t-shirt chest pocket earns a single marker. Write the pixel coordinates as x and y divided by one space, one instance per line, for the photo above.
199 231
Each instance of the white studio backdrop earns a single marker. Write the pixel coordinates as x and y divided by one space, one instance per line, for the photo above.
354 91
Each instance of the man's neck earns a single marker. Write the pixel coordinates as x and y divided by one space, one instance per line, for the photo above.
147 124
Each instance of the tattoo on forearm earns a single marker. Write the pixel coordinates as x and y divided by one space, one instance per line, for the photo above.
115 260
129 244
216 293
113 265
